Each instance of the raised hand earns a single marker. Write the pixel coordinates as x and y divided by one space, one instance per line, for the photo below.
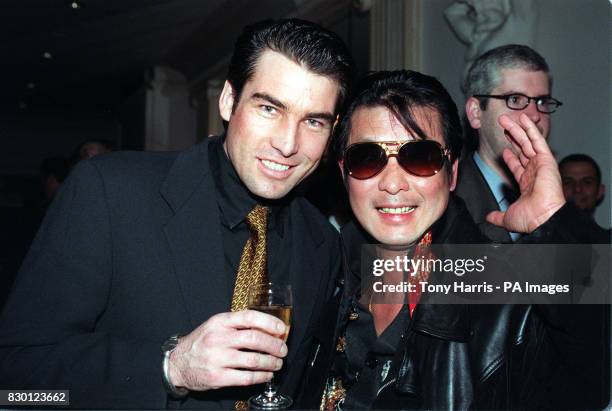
535 169
212 356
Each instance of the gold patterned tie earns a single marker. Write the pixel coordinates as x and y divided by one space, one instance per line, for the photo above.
252 268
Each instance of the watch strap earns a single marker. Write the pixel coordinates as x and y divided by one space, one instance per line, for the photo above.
171 389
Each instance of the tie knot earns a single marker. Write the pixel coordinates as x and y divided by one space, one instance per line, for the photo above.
257 219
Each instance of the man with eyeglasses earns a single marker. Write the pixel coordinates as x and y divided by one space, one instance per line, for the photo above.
510 80
397 147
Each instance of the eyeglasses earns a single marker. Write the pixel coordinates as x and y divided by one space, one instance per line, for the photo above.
518 101
422 158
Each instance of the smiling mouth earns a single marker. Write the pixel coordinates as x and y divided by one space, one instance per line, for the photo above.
275 166
396 210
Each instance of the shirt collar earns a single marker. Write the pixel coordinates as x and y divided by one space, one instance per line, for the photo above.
234 199
501 191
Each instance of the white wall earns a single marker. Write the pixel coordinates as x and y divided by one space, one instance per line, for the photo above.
575 38
170 120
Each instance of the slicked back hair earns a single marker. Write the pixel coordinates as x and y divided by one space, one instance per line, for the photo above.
403 93
485 72
307 44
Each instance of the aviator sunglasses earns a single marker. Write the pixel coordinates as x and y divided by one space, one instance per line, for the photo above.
422 158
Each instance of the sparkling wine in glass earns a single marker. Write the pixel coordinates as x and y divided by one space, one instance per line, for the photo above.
276 300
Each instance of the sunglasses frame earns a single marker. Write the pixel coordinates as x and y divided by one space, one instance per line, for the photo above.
392 149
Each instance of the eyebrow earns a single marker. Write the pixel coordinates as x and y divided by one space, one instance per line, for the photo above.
269 99
324 115
509 93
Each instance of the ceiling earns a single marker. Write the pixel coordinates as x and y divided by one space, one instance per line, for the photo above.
98 53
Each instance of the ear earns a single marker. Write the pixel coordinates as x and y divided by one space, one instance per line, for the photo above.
226 101
453 177
473 112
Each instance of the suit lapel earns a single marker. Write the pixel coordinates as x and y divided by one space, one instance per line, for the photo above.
305 275
479 199
194 235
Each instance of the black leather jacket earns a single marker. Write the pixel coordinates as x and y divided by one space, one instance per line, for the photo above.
479 356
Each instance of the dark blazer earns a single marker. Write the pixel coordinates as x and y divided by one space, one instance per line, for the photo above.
480 201
130 253
478 356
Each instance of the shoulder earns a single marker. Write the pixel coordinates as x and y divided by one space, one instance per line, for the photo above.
568 225
132 164
150 166
133 174
468 176
457 225
312 218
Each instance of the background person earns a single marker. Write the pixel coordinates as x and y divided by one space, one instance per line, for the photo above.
511 80
91 148
581 178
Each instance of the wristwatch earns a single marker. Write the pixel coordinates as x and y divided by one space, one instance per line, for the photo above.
167 347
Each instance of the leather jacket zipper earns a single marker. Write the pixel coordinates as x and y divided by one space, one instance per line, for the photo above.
385 385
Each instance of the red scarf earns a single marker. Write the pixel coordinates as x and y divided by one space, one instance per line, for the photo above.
422 251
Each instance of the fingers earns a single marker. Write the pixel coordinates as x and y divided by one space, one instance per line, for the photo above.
517 150
537 139
524 160
240 378
251 361
244 330
496 218
251 319
229 349
256 340
518 135
514 165
526 135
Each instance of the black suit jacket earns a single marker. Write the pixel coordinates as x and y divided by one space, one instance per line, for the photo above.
480 201
130 253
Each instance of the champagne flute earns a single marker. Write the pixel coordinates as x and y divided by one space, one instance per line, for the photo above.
276 300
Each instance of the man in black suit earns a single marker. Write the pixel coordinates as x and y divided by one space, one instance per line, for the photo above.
510 80
142 248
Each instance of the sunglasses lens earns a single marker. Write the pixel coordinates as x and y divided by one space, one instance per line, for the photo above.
421 158
365 160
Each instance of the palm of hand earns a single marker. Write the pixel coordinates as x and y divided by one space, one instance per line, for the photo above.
539 196
534 168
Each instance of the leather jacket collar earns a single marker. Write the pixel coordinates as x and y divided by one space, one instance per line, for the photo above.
456 226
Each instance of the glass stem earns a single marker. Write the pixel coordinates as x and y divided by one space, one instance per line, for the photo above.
270 388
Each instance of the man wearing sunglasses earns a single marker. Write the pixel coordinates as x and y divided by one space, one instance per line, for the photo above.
398 147
510 80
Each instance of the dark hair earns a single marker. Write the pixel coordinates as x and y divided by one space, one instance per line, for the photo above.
485 72
582 158
402 92
319 50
